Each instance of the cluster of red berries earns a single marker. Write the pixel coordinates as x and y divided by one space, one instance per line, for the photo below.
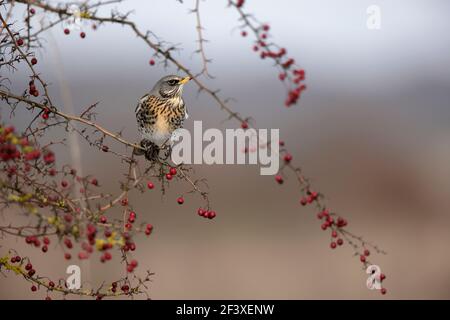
310 197
132 265
329 222
278 55
131 220
209 214
49 157
37 243
172 172
32 89
148 229
295 93
9 147
8 151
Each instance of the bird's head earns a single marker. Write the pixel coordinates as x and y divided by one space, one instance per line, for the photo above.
170 86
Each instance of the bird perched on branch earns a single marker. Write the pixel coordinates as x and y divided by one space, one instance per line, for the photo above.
159 113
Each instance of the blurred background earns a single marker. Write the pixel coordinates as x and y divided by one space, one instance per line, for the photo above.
372 131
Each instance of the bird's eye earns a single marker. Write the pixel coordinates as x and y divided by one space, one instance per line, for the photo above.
172 82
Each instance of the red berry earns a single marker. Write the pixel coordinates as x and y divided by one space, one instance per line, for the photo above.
334 234
125 288
82 35
31 272
152 62
324 226
32 11
382 276
287 157
150 185
33 61
173 171
244 33
28 266
66 31
94 182
169 176
266 27
366 253
333 245
244 125
340 242
211 214
124 201
103 219
200 212
128 225
17 258
134 263
362 258
46 240
279 179
303 201
130 268
51 284
67 256
20 42
180 200
44 248
33 288
383 291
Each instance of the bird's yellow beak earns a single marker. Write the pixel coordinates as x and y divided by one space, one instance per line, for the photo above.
185 80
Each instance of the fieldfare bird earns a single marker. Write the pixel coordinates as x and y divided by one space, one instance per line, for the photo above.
159 113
